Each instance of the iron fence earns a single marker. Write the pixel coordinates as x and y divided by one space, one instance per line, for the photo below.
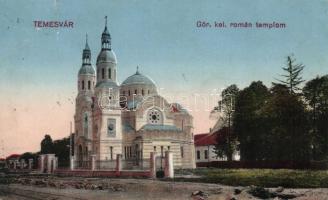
82 164
106 164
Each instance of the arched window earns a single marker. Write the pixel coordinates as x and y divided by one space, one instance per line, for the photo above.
109 73
85 124
103 73
86 152
82 85
89 85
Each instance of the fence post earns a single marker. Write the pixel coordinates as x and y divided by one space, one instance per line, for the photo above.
15 164
93 162
152 165
51 163
42 157
118 164
21 164
168 168
56 163
30 163
72 163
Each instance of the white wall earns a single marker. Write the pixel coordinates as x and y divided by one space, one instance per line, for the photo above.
212 155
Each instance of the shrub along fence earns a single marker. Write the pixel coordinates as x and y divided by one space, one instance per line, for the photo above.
315 165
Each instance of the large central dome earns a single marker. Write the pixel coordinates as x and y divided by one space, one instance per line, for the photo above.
138 79
137 86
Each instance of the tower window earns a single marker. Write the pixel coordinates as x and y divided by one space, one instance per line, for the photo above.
109 73
89 85
82 85
102 73
111 153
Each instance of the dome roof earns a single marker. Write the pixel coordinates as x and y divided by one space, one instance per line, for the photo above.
138 78
107 56
87 69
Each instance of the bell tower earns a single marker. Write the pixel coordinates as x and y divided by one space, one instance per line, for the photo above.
107 110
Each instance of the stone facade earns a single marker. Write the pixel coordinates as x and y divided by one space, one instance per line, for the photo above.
130 119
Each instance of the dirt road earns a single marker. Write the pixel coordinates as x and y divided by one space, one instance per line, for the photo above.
100 188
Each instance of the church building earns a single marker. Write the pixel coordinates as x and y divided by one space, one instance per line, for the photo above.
130 118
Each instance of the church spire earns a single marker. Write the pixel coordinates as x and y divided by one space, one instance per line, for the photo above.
105 38
86 56
86 42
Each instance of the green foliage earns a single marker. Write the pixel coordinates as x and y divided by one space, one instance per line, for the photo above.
47 145
58 147
28 155
316 95
227 142
261 177
271 125
293 75
249 125
287 126
160 174
61 149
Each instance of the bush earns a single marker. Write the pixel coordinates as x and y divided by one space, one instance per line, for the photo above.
160 174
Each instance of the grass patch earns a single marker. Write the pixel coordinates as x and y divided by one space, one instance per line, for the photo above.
260 177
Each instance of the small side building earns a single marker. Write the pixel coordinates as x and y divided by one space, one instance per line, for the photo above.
13 161
205 148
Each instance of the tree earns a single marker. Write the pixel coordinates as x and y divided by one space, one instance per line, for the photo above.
47 145
226 145
287 128
316 95
249 125
293 75
28 155
61 149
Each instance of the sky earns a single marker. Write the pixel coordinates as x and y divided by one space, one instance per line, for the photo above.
38 66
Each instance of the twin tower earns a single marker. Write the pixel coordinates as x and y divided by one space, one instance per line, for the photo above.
89 117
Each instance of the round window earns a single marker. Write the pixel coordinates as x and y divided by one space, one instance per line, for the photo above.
154 117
